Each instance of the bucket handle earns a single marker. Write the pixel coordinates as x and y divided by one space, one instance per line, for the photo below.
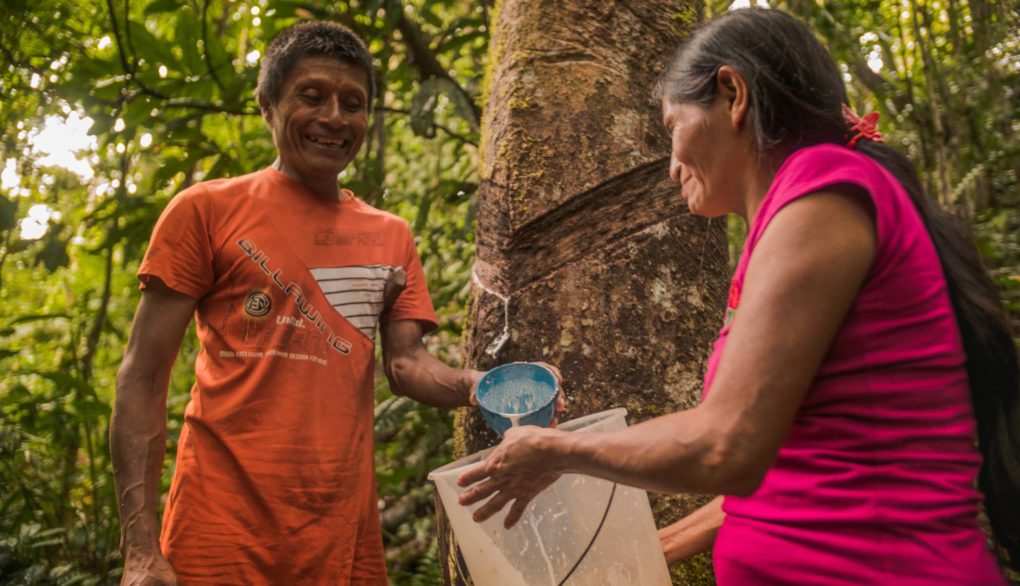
593 537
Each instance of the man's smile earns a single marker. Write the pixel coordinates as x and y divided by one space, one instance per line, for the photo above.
330 143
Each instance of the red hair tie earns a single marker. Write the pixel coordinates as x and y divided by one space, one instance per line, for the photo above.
866 127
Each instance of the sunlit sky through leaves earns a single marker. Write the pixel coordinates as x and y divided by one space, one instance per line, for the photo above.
747 4
60 142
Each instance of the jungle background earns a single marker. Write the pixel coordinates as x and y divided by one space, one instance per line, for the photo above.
110 107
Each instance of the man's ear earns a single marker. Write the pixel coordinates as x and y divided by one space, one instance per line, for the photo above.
733 88
267 111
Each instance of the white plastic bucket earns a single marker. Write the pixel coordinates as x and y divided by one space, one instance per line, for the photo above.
579 531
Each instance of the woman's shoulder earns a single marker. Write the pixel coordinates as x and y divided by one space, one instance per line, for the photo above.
836 168
829 167
817 167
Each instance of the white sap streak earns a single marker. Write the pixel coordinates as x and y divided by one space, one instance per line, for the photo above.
541 548
494 347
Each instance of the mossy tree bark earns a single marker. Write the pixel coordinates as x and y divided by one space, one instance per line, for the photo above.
587 257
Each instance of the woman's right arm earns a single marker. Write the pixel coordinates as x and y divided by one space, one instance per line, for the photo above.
692 534
800 283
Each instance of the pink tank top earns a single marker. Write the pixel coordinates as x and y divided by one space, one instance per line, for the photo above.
875 482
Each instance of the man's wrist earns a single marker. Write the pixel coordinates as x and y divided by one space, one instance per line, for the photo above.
142 549
469 377
139 541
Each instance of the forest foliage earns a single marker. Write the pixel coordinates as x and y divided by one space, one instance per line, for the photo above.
165 91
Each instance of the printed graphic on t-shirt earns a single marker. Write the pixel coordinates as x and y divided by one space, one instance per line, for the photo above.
356 292
258 302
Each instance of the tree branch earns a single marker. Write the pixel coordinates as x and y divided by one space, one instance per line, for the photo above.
205 47
428 66
120 44
436 125
7 251
168 102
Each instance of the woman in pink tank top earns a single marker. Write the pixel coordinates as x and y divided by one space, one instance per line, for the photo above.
862 401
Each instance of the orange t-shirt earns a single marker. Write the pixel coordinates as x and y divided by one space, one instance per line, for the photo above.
275 478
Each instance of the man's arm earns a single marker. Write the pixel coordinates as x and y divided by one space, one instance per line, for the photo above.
138 428
414 372
693 534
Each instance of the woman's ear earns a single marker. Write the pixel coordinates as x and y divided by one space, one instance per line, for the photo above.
733 88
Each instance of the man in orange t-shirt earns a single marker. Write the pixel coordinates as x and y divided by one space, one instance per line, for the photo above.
289 278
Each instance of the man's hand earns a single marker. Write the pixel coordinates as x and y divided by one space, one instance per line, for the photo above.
561 399
150 569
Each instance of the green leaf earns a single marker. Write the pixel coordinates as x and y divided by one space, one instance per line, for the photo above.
425 101
24 319
136 115
423 108
8 213
218 56
161 6
169 168
454 43
54 252
394 8
63 380
187 36
282 9
428 14
219 168
423 214
154 50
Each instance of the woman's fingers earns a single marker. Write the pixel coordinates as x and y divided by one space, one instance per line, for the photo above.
491 507
476 473
477 493
516 511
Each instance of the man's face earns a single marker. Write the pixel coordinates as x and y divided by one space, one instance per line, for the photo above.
320 119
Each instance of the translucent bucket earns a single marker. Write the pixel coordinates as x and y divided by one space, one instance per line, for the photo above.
580 531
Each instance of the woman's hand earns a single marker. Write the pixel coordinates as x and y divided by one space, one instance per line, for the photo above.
518 469
692 534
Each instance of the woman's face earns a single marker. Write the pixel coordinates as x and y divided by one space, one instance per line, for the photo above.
705 159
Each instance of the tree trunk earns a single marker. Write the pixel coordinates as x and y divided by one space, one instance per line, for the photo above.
587 257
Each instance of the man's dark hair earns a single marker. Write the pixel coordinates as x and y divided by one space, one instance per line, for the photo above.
304 40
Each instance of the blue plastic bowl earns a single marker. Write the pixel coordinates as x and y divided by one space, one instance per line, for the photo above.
520 390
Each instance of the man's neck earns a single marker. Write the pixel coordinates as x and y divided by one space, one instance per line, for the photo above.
326 188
